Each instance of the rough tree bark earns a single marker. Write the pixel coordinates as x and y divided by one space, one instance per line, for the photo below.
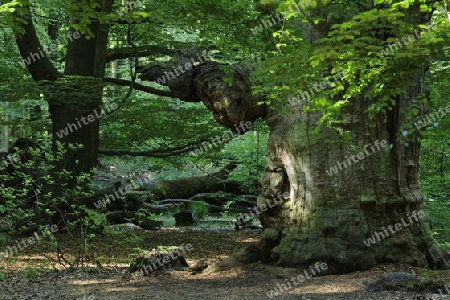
328 218
78 98
230 105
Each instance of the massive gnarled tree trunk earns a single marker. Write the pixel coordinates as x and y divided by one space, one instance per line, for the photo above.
370 209
329 217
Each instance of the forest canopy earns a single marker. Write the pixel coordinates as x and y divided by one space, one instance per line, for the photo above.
149 112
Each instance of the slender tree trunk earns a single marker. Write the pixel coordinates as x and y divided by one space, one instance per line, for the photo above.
87 58
4 146
67 110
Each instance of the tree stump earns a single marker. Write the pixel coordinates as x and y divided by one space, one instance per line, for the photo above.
184 218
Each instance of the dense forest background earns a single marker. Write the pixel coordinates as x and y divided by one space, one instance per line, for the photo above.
154 137
161 126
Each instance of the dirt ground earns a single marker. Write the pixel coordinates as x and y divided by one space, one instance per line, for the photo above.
108 278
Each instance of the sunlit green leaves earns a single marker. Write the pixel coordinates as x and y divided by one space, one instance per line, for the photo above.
373 46
425 8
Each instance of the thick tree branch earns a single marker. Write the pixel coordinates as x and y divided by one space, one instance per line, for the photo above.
155 153
31 50
127 52
149 153
139 87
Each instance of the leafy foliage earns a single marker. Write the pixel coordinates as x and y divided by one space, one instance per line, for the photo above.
201 210
435 153
356 46
35 193
368 47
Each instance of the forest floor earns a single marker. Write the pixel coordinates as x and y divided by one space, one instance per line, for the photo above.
31 274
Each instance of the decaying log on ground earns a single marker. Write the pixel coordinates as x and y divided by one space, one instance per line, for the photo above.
123 198
163 208
118 217
222 198
211 207
161 189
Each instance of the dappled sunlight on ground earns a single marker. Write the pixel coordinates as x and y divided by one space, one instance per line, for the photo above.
29 275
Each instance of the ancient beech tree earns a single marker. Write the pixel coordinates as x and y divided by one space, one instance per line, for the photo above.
326 217
330 217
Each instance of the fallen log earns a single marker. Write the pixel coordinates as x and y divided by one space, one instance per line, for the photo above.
161 196
162 208
119 217
140 191
222 198
211 207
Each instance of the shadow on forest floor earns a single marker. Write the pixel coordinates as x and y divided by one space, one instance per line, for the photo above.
29 275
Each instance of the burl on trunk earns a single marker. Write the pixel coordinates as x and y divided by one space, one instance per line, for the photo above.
352 205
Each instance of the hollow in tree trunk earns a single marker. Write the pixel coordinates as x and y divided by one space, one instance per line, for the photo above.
351 207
